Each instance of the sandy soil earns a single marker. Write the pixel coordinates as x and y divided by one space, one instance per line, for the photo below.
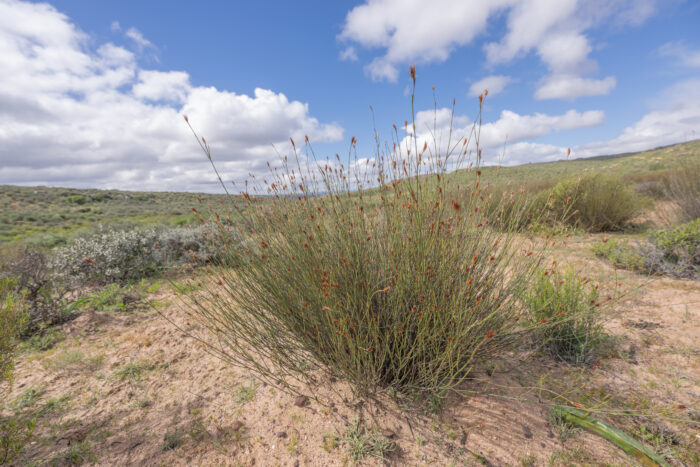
129 388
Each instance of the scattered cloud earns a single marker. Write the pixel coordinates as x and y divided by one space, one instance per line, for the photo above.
415 31
349 53
675 118
78 116
494 83
116 27
510 130
136 36
572 87
683 54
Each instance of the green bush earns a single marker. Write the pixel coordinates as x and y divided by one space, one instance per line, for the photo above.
564 312
596 203
683 187
15 431
382 271
672 252
12 318
45 299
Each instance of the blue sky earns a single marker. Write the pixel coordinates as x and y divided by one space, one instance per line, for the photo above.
93 93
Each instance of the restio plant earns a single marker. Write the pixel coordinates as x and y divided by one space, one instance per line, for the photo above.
564 309
384 271
594 202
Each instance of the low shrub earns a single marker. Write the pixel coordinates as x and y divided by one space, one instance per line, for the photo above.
382 271
564 312
44 297
671 252
595 203
683 187
12 318
121 255
15 430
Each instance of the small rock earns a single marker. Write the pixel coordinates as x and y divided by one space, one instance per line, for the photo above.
389 434
549 433
334 409
296 463
301 401
527 432
237 425
282 434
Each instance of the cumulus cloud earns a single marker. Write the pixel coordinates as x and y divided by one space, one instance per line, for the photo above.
417 31
79 116
510 130
674 118
572 87
494 83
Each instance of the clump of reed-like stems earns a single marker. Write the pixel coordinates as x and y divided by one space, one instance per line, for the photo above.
382 271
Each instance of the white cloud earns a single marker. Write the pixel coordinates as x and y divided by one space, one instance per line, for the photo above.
136 36
510 129
171 86
116 27
494 83
572 87
675 118
71 115
349 54
682 53
417 31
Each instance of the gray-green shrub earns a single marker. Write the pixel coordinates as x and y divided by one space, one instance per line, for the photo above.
121 255
674 251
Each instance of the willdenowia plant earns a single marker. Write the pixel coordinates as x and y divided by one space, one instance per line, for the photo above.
381 271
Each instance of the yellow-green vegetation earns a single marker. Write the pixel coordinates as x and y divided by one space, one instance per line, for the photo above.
51 216
565 311
361 442
595 203
15 430
12 318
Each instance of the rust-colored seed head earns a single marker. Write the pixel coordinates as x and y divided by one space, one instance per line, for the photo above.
186 119
413 73
490 333
486 92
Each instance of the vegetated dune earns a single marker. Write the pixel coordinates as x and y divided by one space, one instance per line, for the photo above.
130 388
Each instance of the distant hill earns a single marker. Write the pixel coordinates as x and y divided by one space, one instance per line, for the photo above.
49 216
